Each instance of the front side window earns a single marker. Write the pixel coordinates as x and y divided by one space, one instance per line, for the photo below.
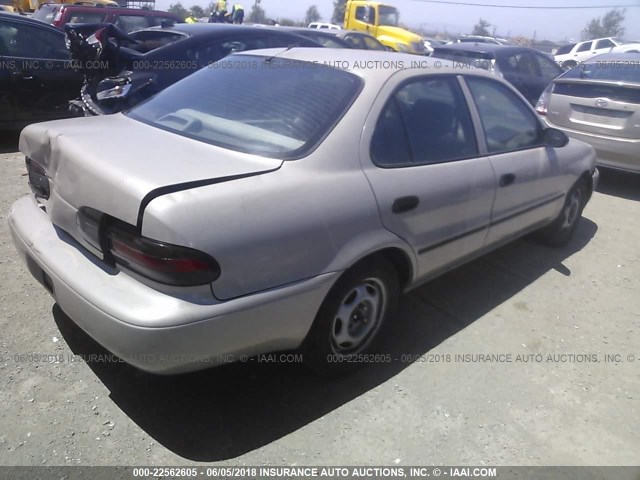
425 121
27 41
278 108
606 43
507 122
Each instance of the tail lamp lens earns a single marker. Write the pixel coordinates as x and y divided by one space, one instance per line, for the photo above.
159 261
543 102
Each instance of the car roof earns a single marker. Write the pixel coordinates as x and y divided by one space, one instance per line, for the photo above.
365 63
616 57
480 47
193 29
76 7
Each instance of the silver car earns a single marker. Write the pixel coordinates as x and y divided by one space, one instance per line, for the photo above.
290 212
598 102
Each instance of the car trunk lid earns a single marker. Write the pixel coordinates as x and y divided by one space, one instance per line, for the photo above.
116 165
599 107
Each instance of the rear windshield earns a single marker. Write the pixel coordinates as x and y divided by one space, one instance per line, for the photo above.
609 70
471 59
46 13
274 107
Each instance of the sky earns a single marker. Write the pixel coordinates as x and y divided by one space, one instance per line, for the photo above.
554 25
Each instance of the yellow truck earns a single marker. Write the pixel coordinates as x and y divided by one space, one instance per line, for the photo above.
381 21
33 5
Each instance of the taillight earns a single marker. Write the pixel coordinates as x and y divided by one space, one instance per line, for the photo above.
543 101
57 17
38 180
162 262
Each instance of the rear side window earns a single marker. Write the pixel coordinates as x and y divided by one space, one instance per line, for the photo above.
86 17
277 108
425 121
131 23
565 49
584 47
508 123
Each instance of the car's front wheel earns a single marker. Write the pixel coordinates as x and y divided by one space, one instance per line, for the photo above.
560 231
351 317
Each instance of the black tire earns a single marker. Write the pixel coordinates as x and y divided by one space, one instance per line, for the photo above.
366 294
558 233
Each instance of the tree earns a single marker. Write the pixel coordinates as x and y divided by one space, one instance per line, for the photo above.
481 28
178 10
197 11
312 15
257 15
338 11
608 26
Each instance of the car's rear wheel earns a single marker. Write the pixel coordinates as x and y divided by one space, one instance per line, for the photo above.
560 231
350 318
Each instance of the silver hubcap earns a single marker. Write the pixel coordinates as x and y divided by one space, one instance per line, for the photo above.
358 316
571 210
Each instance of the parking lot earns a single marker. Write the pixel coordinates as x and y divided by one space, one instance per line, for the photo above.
558 381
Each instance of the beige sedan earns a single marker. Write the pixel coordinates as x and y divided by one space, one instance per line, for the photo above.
598 102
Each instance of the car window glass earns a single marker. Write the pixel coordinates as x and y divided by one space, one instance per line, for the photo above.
372 44
355 41
522 63
425 121
606 43
507 122
361 13
155 39
584 47
46 13
548 68
28 41
131 23
86 17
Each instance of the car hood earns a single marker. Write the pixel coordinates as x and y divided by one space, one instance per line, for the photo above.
398 33
115 164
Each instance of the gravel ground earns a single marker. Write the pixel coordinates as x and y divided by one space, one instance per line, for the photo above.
582 301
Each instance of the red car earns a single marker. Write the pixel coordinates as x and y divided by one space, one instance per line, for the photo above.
127 19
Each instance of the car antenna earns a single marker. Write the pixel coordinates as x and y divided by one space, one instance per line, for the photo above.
268 60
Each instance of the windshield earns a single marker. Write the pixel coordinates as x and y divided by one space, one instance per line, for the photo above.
609 70
388 16
272 107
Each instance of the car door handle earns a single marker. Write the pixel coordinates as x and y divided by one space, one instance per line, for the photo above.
404 204
22 75
507 179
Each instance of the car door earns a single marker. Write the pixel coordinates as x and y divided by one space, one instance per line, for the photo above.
583 52
433 188
602 46
354 40
522 71
41 80
528 175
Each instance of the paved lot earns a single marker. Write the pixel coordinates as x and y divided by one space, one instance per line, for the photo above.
582 301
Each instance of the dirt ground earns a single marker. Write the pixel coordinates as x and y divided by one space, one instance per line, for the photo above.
569 320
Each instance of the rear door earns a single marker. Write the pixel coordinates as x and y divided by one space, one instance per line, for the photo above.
528 174
529 72
433 187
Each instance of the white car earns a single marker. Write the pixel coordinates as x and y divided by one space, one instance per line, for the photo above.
324 25
570 55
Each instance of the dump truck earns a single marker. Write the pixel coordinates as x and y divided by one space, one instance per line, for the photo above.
381 21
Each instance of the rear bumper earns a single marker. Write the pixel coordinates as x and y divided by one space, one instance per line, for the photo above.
613 152
149 329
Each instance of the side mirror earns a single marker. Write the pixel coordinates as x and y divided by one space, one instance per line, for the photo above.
552 137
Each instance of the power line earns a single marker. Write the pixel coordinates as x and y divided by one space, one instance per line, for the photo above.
531 7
